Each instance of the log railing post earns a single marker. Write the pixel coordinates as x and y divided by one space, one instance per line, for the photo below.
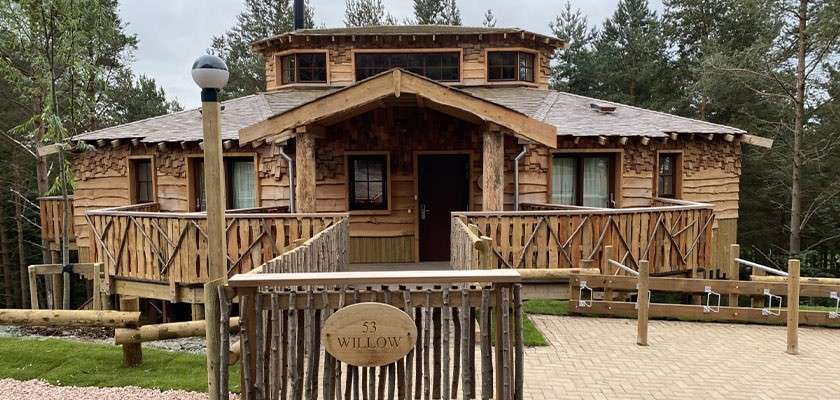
486 255
734 271
493 171
132 352
643 302
606 269
793 308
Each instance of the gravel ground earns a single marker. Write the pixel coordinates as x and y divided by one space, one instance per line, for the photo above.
39 390
193 345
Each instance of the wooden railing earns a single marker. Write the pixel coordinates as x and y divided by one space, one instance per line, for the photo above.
467 249
282 316
137 242
326 251
674 238
52 219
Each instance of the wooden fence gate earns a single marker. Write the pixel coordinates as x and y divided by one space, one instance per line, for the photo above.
283 314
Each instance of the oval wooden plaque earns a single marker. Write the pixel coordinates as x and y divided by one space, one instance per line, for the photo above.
369 334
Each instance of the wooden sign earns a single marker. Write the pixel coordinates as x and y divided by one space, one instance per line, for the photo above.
369 334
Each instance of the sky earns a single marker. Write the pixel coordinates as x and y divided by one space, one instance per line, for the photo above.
172 33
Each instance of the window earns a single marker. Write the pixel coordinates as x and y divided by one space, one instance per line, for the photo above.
583 180
304 68
510 66
437 66
240 183
142 189
668 175
368 182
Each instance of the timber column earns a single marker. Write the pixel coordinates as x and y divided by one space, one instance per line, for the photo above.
493 171
305 168
211 75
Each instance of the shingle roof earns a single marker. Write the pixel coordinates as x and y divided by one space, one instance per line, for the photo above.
570 114
386 30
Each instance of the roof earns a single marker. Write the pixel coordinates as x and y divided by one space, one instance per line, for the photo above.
570 114
408 30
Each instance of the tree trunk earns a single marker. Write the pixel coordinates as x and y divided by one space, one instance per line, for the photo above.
24 273
8 290
799 120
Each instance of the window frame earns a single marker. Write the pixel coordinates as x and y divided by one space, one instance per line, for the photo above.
192 179
616 159
349 182
132 177
517 81
460 51
677 176
278 68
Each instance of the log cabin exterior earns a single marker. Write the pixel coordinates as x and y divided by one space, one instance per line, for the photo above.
395 127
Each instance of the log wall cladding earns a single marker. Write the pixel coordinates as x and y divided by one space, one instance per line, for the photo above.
284 326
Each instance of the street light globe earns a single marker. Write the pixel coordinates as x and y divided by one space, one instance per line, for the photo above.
210 72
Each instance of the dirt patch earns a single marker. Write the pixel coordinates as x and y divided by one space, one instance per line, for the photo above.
40 390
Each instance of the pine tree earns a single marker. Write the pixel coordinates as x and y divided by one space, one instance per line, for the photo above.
573 70
489 19
441 12
367 13
259 20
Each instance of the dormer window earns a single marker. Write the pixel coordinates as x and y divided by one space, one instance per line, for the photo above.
304 68
508 66
444 67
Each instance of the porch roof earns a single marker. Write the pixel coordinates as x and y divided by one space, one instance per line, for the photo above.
571 115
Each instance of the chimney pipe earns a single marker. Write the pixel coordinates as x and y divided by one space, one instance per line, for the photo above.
298 14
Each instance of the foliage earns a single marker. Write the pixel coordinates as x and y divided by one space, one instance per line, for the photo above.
440 12
367 13
489 19
73 363
260 19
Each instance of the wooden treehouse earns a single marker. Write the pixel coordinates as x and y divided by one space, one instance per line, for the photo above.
404 132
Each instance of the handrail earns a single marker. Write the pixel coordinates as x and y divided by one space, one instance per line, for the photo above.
375 278
761 267
122 211
587 211
624 267
54 197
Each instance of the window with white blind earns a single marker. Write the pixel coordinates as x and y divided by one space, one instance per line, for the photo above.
240 183
583 180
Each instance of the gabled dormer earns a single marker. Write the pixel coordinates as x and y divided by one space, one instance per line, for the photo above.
453 55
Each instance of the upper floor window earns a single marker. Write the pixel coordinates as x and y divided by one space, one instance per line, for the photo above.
510 66
141 174
304 68
444 67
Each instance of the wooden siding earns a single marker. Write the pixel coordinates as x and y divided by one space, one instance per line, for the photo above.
52 221
341 65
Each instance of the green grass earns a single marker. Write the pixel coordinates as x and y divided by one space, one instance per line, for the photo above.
531 336
64 362
546 307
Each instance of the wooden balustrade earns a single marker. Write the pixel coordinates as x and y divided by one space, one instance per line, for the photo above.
676 238
139 243
468 250
326 251
52 220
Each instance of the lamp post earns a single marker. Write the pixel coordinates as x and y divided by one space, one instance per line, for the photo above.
211 74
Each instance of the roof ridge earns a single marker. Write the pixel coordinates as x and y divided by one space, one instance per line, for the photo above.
735 130
542 112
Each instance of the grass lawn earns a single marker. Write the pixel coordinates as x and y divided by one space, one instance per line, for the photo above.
546 307
64 362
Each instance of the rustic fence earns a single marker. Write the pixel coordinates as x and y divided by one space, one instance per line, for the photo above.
467 249
52 220
137 242
675 239
281 331
326 251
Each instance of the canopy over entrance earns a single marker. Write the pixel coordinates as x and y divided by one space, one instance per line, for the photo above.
367 94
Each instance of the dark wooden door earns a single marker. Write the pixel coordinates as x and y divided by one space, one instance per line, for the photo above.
443 182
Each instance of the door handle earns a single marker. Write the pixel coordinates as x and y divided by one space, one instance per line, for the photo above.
424 211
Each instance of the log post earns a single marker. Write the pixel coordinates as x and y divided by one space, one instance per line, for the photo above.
493 171
606 269
793 308
305 168
734 271
33 289
486 256
643 302
132 352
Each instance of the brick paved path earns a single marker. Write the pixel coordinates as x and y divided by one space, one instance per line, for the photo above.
595 358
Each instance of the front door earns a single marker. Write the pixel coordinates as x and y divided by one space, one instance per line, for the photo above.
443 182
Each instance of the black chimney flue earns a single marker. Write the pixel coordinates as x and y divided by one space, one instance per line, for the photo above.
298 14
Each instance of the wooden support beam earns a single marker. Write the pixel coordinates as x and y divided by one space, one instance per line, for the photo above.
757 141
673 136
100 143
115 143
622 140
644 140
78 318
710 137
793 308
161 147
549 274
227 144
174 330
643 301
305 172
734 271
493 171
133 352
602 140
135 142
729 137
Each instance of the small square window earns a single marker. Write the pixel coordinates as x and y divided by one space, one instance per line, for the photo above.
368 182
304 68
510 66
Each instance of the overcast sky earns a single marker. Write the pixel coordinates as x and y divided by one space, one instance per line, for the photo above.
173 33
